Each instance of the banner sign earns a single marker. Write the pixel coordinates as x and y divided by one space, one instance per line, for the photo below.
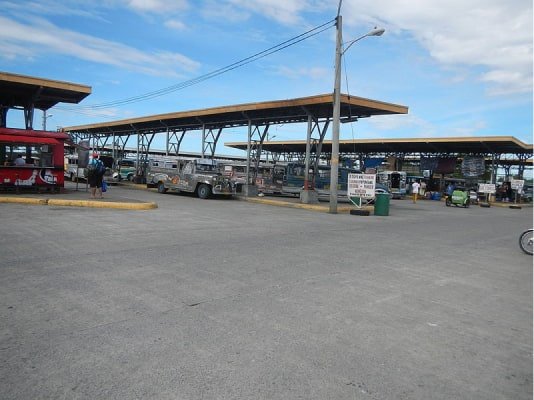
83 153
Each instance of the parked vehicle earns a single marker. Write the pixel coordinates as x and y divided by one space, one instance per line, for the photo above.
74 172
268 177
526 196
125 169
395 181
293 179
458 198
380 189
199 176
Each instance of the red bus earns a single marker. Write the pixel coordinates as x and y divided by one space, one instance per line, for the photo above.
31 159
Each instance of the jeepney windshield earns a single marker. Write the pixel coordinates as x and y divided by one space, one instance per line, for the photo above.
206 167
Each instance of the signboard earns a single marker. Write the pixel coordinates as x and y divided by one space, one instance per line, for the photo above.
486 188
361 185
517 184
83 153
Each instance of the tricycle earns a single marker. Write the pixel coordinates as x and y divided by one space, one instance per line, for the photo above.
459 197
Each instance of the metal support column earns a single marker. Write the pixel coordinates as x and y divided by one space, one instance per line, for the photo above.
308 195
254 147
493 178
28 116
250 188
210 137
174 140
144 139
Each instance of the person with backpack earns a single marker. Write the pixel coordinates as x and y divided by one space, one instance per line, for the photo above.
95 175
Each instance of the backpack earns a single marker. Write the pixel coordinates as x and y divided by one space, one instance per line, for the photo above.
101 169
96 167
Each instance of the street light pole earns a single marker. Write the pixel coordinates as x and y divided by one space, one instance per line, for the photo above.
334 159
45 116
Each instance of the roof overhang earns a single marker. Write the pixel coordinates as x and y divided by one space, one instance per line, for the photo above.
19 91
263 113
447 145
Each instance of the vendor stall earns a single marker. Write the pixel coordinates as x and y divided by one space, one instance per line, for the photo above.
31 159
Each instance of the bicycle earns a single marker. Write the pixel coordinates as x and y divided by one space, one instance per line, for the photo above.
525 241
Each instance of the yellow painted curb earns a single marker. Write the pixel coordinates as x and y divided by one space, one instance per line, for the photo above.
24 200
313 207
102 204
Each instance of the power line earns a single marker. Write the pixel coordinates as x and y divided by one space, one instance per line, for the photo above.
182 85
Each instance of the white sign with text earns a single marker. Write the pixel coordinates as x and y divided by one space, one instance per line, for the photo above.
486 188
361 185
517 184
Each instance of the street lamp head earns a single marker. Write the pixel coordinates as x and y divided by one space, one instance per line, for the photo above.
376 32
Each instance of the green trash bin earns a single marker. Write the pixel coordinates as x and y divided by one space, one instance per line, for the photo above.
382 204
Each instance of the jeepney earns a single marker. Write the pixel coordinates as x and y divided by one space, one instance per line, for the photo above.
199 176
395 181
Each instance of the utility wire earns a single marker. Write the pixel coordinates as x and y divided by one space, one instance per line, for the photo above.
182 85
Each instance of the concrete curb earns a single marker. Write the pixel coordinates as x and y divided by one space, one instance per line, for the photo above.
311 207
24 200
102 204
79 203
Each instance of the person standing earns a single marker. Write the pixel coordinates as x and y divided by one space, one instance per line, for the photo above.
422 189
509 192
95 174
415 190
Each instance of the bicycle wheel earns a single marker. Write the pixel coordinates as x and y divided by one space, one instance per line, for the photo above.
525 241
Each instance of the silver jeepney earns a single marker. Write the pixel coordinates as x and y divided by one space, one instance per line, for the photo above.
199 176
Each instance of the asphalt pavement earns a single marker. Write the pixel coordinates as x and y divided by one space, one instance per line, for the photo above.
228 299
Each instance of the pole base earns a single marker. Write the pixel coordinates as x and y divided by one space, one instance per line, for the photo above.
309 197
250 190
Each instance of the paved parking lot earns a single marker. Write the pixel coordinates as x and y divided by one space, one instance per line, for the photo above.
225 299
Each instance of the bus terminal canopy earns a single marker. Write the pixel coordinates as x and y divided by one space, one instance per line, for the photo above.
29 93
442 145
17 91
262 113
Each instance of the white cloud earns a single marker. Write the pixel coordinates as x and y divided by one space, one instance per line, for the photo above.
158 6
283 11
175 24
468 128
491 34
41 37
217 10
311 73
396 122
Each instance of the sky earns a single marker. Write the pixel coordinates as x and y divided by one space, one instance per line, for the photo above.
464 68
